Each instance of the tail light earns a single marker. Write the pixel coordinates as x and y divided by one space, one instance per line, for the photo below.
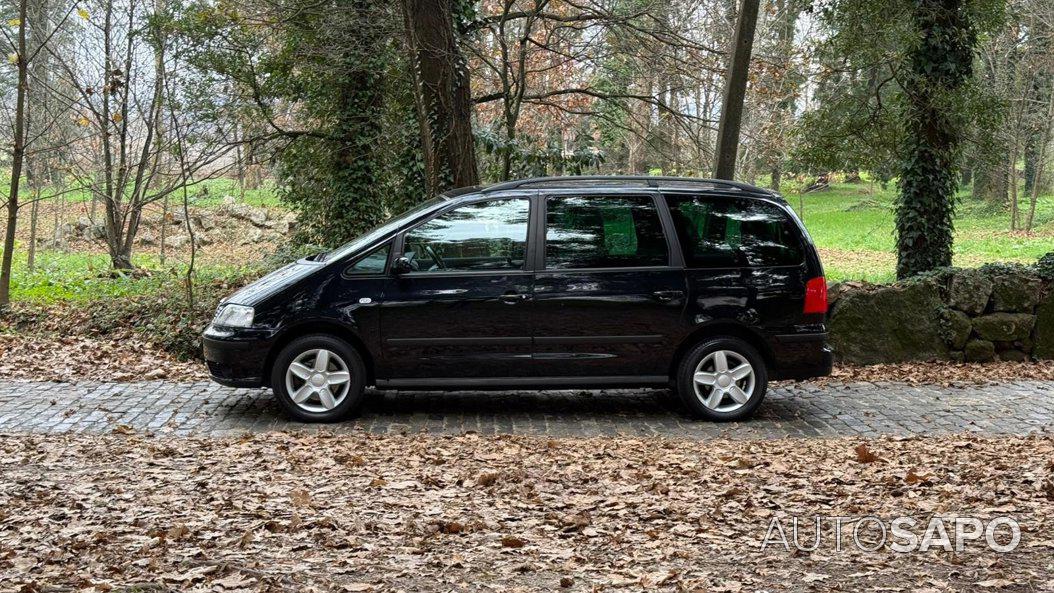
816 296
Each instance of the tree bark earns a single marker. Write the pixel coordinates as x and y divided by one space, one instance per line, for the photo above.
442 95
735 90
18 155
1041 160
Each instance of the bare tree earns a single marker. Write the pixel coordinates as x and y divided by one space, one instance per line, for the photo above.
118 76
18 151
544 69
29 128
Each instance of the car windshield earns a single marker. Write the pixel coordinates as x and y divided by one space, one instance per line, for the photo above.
379 231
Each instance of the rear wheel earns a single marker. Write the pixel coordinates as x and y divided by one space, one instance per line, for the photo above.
319 378
722 379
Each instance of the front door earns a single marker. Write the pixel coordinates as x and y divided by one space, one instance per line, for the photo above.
462 311
608 302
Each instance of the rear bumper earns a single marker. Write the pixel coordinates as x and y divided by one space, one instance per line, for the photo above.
802 356
237 357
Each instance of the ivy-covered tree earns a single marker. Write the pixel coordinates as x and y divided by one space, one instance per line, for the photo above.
336 72
441 91
331 91
940 64
896 101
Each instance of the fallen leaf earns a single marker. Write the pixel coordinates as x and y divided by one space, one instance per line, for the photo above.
864 455
511 541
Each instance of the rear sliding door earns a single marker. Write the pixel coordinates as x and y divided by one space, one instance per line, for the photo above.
608 300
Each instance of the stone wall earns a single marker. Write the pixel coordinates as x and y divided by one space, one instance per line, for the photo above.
996 312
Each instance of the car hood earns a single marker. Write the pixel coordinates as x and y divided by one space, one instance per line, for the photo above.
274 282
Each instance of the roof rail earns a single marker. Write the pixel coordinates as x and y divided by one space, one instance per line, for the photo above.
572 181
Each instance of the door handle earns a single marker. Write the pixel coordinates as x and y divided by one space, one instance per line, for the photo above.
665 296
511 298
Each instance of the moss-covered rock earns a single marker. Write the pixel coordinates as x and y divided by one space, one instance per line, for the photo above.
956 327
970 290
1004 327
889 324
1044 336
1016 291
979 351
1013 356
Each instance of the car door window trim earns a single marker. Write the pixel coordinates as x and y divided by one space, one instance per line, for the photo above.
400 240
673 252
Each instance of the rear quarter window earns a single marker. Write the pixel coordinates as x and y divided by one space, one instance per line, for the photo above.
718 232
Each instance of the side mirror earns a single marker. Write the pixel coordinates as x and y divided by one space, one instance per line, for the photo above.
402 265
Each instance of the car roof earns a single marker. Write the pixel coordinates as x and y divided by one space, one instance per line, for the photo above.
610 182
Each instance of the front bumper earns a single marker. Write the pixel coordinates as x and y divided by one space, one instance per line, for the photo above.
802 356
237 357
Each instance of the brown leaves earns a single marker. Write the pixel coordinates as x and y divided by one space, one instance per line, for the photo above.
914 478
943 373
177 532
283 512
300 498
864 455
511 541
71 359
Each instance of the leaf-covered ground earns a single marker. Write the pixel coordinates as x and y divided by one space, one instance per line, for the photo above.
287 512
71 359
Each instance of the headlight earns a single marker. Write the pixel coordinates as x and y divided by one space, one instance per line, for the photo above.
234 316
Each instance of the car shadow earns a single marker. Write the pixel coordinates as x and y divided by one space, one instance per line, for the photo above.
622 402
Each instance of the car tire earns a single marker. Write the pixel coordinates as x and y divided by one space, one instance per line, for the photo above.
740 389
302 390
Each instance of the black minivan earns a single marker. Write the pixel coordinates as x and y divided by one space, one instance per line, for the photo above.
710 287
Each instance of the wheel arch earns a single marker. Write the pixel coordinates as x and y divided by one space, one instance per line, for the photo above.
331 328
724 329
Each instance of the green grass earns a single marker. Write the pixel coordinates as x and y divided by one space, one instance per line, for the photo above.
79 277
852 224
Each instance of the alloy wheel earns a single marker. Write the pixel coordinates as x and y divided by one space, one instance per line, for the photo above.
317 380
724 381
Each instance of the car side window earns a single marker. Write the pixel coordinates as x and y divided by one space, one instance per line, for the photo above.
374 263
488 235
603 232
729 232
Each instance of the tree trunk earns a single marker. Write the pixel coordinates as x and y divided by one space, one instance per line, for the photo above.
442 95
928 175
1010 165
640 130
1041 161
18 154
735 90
34 211
239 160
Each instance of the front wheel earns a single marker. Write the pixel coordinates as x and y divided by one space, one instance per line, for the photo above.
319 378
722 379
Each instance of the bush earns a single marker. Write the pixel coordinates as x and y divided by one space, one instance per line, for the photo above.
1045 266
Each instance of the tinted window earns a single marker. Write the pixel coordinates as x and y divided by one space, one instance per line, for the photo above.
603 232
727 232
482 236
374 263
